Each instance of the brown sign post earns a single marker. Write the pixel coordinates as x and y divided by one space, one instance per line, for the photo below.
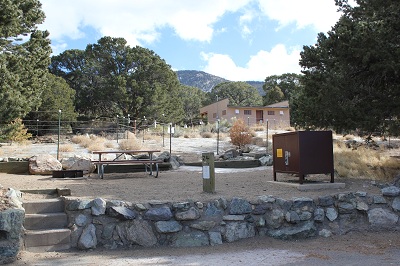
208 172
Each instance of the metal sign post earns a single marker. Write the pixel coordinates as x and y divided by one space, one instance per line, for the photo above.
208 172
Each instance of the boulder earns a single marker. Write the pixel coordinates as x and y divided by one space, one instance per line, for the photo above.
78 163
43 164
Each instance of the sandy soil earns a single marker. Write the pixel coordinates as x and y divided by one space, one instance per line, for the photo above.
186 184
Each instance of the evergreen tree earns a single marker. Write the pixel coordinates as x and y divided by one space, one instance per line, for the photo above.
351 75
23 64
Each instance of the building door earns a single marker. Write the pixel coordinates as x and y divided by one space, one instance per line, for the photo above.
259 116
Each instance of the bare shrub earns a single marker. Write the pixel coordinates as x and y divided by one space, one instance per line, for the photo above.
95 146
207 135
253 133
240 134
130 144
109 144
67 148
258 128
78 139
190 134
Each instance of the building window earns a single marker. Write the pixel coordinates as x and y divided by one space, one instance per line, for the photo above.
247 112
281 112
214 115
271 112
223 112
236 111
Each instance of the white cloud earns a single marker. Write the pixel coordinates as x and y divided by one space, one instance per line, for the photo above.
321 14
275 62
136 20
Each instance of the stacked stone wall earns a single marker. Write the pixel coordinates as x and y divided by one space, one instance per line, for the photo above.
117 224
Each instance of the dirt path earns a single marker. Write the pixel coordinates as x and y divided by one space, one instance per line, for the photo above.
351 249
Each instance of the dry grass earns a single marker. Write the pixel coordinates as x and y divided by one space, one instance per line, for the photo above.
96 146
191 134
92 142
364 162
349 137
130 144
78 139
67 148
207 135
257 128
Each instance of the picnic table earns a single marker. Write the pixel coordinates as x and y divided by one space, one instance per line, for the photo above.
148 163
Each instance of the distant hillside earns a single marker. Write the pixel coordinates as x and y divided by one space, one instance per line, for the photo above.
206 82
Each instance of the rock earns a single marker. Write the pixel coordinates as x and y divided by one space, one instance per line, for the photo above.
108 231
275 219
78 163
381 218
325 233
326 201
391 191
191 214
88 237
75 205
379 200
319 215
215 238
203 225
362 206
240 206
121 213
98 207
14 198
233 218
345 207
212 210
331 214
168 226
81 220
174 163
266 160
192 239
43 164
158 214
396 204
292 217
230 154
164 156
294 232
139 232
261 209
239 230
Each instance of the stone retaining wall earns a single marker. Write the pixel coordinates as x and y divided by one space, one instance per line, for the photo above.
115 224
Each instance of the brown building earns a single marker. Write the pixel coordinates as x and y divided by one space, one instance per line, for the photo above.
276 114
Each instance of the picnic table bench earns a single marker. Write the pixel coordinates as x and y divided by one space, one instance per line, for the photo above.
148 163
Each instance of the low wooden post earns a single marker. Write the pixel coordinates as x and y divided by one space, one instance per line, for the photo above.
208 172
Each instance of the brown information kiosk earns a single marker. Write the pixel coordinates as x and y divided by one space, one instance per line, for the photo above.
302 153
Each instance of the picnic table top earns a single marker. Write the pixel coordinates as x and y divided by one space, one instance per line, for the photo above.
125 151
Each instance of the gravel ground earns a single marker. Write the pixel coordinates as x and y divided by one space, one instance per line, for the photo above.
186 183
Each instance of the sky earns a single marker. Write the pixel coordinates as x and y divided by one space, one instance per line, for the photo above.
239 40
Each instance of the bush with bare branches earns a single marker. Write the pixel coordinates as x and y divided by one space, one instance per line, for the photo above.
240 134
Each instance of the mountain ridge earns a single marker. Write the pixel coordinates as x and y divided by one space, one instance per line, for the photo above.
206 82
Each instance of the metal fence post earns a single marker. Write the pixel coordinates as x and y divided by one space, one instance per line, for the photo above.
59 131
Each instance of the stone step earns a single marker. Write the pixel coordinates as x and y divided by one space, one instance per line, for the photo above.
44 206
45 221
47 240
